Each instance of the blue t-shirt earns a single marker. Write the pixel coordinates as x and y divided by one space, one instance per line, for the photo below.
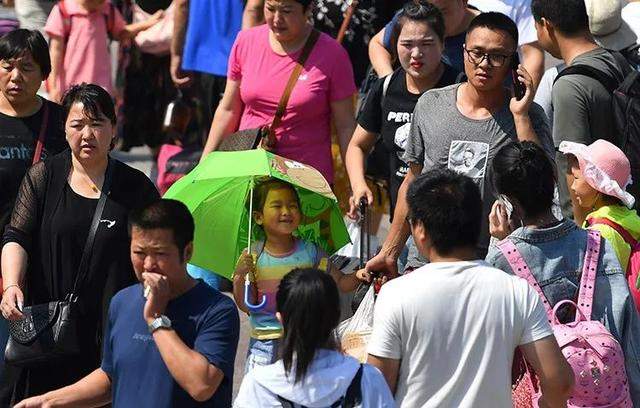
211 31
452 54
206 321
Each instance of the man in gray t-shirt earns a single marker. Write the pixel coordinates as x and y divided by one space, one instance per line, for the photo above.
443 137
461 127
581 105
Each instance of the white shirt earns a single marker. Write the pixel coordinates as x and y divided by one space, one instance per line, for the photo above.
455 326
518 10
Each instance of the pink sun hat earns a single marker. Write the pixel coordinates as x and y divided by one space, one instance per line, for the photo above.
604 166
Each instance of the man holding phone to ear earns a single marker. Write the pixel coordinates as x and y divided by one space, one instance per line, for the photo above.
462 126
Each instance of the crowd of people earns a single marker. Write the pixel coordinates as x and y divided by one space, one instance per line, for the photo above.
510 274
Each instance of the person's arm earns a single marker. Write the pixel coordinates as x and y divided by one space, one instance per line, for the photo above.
253 14
554 374
520 109
190 369
226 118
381 59
630 340
389 368
533 61
57 51
94 390
344 122
386 259
359 148
180 17
14 266
130 30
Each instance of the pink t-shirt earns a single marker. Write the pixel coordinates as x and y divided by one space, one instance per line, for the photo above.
86 57
304 134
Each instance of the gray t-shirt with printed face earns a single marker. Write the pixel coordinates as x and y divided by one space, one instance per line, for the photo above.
442 137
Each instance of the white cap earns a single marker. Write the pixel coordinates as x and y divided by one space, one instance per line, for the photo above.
607 26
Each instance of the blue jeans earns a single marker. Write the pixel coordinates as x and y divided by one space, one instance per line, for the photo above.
261 352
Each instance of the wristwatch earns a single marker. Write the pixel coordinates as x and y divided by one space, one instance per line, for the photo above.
160 322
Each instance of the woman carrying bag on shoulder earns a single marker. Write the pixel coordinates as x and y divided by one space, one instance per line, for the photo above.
66 251
264 88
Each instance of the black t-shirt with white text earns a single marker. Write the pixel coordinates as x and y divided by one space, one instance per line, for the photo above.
18 138
389 116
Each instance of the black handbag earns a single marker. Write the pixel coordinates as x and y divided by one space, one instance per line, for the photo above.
264 136
49 331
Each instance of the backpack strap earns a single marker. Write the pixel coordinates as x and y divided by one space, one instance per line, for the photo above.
521 269
385 85
628 238
606 80
285 402
353 397
589 269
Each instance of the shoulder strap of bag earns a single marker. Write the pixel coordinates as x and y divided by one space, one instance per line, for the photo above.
385 86
95 223
353 397
606 80
628 238
521 269
284 99
348 15
285 402
37 153
589 269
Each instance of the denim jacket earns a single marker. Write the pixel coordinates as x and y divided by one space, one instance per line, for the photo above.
555 256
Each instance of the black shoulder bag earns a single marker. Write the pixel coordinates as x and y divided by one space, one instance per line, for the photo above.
49 331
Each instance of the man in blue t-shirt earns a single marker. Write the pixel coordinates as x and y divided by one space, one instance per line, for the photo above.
171 340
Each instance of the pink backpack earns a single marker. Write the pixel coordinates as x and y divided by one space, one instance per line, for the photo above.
633 267
593 353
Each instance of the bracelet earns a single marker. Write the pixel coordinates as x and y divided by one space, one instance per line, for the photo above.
7 287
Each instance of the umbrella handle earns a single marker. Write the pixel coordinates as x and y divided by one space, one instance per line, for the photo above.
250 306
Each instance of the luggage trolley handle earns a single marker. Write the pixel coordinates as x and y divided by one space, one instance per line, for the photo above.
365 227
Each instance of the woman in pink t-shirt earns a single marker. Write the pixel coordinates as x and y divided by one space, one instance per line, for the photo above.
260 65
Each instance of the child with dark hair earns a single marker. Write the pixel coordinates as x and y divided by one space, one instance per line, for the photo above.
554 251
277 211
312 372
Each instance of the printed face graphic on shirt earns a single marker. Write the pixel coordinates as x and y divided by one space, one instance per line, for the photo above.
469 158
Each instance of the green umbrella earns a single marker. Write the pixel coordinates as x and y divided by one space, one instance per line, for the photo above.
217 190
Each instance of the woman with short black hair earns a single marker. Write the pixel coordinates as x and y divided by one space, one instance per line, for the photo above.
45 241
312 372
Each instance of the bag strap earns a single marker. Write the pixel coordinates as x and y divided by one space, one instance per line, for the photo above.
628 238
348 15
353 397
521 269
606 80
37 153
95 223
589 269
295 74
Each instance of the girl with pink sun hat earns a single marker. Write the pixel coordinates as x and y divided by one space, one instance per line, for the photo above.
602 174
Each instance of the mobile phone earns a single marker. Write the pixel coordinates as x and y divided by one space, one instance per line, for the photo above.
519 88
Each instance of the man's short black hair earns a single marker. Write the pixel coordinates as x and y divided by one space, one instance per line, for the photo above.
449 206
15 43
166 214
567 16
495 22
